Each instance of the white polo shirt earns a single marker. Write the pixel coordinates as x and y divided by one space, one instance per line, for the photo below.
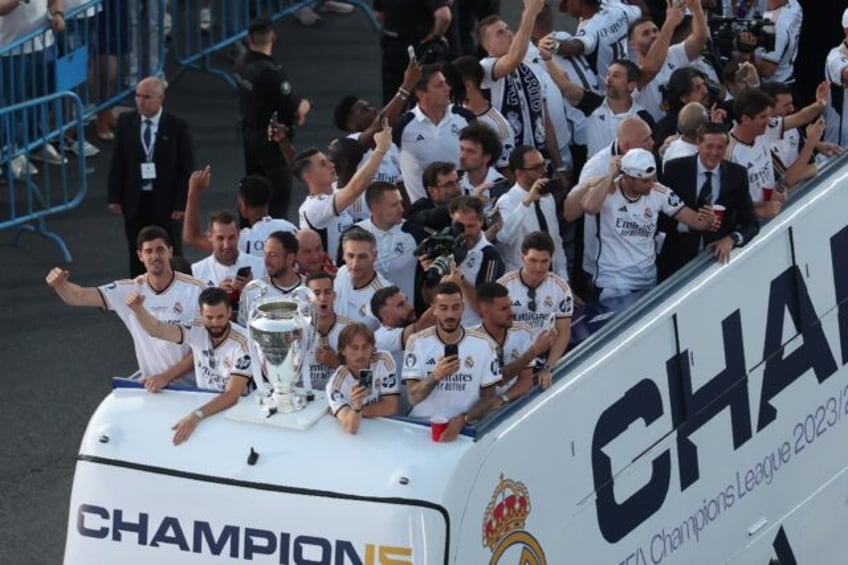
677 149
422 142
601 125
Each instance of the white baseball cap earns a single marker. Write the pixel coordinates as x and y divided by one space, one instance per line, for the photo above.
639 163
845 18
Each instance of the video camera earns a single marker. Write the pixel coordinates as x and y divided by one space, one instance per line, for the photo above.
446 248
725 32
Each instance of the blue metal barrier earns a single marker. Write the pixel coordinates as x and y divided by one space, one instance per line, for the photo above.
31 194
203 27
107 47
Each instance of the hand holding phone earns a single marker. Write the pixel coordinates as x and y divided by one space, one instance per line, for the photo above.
366 377
410 50
243 272
451 350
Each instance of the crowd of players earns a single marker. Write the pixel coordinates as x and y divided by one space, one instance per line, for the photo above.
449 236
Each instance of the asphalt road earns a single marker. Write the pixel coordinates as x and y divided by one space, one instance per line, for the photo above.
58 359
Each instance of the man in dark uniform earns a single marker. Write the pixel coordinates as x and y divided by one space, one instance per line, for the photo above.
265 90
423 25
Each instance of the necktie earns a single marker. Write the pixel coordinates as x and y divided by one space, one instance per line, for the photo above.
540 216
705 195
146 137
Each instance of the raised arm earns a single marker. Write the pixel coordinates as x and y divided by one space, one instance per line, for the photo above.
657 54
363 177
809 113
73 294
162 330
193 235
520 42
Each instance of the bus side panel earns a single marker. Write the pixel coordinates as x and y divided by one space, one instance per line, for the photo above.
126 516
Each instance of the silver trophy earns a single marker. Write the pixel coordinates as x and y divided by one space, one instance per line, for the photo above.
281 330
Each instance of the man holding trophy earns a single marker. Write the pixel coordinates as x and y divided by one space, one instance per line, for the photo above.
220 350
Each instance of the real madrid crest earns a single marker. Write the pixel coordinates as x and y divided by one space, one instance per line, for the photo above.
469 362
549 302
503 526
178 308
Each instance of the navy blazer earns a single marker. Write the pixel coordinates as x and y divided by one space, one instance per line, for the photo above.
174 158
681 175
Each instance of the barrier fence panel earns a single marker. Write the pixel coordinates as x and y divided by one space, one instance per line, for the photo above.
202 27
34 183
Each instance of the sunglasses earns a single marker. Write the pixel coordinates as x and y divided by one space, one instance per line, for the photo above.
531 296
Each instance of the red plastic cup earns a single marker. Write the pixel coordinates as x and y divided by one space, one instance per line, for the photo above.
438 425
767 192
718 210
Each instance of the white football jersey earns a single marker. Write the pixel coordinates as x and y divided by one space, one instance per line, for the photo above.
252 239
787 33
384 382
316 375
756 159
212 272
627 253
177 304
596 166
495 120
389 340
389 169
518 341
214 365
649 96
604 35
534 306
479 368
318 212
355 303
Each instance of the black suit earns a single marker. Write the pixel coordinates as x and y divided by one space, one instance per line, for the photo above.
681 175
174 159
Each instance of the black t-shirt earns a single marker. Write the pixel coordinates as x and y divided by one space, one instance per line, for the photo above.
411 20
264 89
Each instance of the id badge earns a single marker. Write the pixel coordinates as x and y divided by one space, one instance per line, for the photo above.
148 171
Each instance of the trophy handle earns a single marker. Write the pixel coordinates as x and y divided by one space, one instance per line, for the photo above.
307 308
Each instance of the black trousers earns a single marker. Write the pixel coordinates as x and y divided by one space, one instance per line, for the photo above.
146 216
264 158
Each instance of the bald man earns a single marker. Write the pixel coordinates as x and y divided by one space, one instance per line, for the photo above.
632 132
311 257
690 120
151 164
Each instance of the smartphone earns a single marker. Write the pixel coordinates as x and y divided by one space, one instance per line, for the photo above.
493 218
410 50
553 185
451 349
366 376
243 272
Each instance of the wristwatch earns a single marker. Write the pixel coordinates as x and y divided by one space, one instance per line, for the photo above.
198 414
737 238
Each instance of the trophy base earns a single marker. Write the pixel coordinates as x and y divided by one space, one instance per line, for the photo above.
283 402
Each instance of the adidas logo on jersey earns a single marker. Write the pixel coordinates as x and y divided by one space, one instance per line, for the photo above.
623 209
431 361
419 138
517 303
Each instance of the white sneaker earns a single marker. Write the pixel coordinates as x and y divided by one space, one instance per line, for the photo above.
49 155
21 166
88 149
205 19
335 7
307 16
